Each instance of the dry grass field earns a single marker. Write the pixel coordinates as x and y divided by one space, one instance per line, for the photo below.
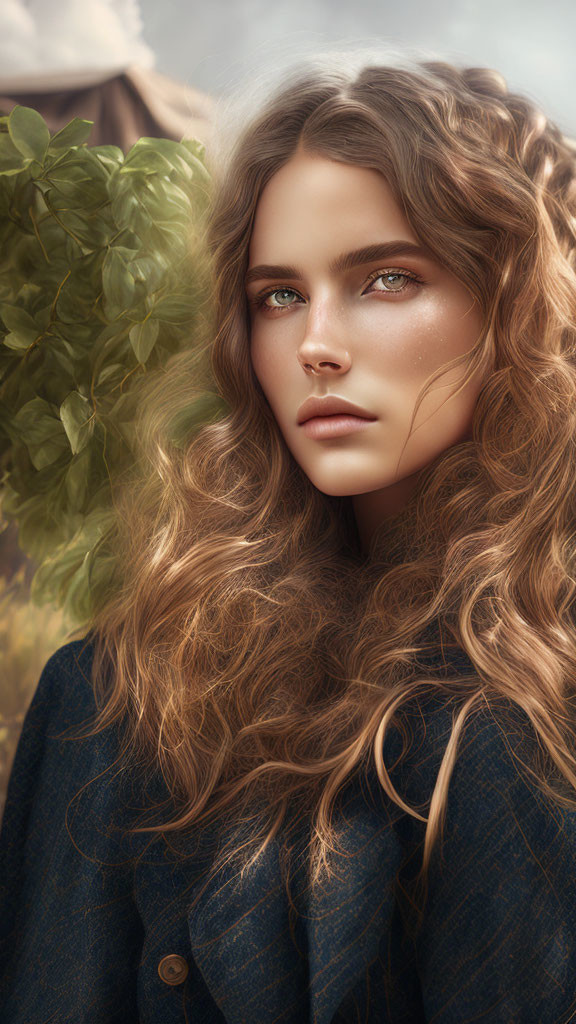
28 636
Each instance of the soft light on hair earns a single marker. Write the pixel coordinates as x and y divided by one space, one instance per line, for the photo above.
256 655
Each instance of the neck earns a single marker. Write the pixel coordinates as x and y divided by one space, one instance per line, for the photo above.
372 508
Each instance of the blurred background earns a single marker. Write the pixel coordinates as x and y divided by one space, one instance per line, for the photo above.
180 54
530 42
158 69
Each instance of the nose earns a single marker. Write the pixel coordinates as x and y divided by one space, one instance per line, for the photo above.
321 350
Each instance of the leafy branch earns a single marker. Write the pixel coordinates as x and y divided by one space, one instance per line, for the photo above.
97 288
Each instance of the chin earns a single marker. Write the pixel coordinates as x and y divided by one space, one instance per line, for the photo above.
334 492
339 488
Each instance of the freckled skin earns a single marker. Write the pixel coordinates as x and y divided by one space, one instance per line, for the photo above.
372 342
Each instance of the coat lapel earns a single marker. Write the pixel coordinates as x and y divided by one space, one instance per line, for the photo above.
272 958
241 939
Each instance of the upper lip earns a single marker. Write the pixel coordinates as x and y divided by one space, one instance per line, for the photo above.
328 406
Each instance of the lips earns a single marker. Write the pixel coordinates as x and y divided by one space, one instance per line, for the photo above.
329 406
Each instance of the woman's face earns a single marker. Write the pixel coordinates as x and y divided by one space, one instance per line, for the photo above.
369 330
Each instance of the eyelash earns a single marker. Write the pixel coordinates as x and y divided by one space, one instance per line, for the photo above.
259 300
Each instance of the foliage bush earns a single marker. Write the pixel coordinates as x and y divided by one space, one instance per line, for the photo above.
101 282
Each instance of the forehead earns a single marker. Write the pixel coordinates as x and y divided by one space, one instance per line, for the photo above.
313 198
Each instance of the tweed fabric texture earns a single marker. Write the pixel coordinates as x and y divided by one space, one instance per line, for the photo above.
87 913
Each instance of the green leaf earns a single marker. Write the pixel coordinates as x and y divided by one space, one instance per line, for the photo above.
76 415
29 132
79 585
16 341
17 319
51 579
109 156
77 164
128 209
115 370
175 309
41 431
28 294
76 480
82 230
73 134
80 289
140 160
84 192
197 148
11 158
118 284
10 172
143 338
150 269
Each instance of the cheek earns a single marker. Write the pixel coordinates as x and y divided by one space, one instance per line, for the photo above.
271 375
262 365
414 339
273 350
258 355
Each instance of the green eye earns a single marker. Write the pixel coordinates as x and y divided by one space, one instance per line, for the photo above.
281 291
261 300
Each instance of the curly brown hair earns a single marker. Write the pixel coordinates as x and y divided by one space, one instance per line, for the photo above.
258 656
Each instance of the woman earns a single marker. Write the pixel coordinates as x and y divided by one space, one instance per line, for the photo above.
341 661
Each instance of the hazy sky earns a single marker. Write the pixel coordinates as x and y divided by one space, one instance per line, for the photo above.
39 36
218 44
531 42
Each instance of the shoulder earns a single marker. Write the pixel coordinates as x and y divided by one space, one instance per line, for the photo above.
66 775
72 658
496 815
65 681
62 704
62 701
496 732
490 775
499 928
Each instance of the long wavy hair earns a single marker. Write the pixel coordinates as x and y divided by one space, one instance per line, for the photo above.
256 654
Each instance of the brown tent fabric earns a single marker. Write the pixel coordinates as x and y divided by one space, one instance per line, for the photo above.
134 103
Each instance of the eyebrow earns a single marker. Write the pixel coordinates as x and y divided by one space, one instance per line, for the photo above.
347 260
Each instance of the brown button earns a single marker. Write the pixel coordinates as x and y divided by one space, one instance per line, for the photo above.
173 969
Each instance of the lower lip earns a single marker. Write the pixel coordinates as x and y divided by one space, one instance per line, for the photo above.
320 427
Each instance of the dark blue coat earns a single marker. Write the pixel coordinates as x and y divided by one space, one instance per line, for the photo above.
99 930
